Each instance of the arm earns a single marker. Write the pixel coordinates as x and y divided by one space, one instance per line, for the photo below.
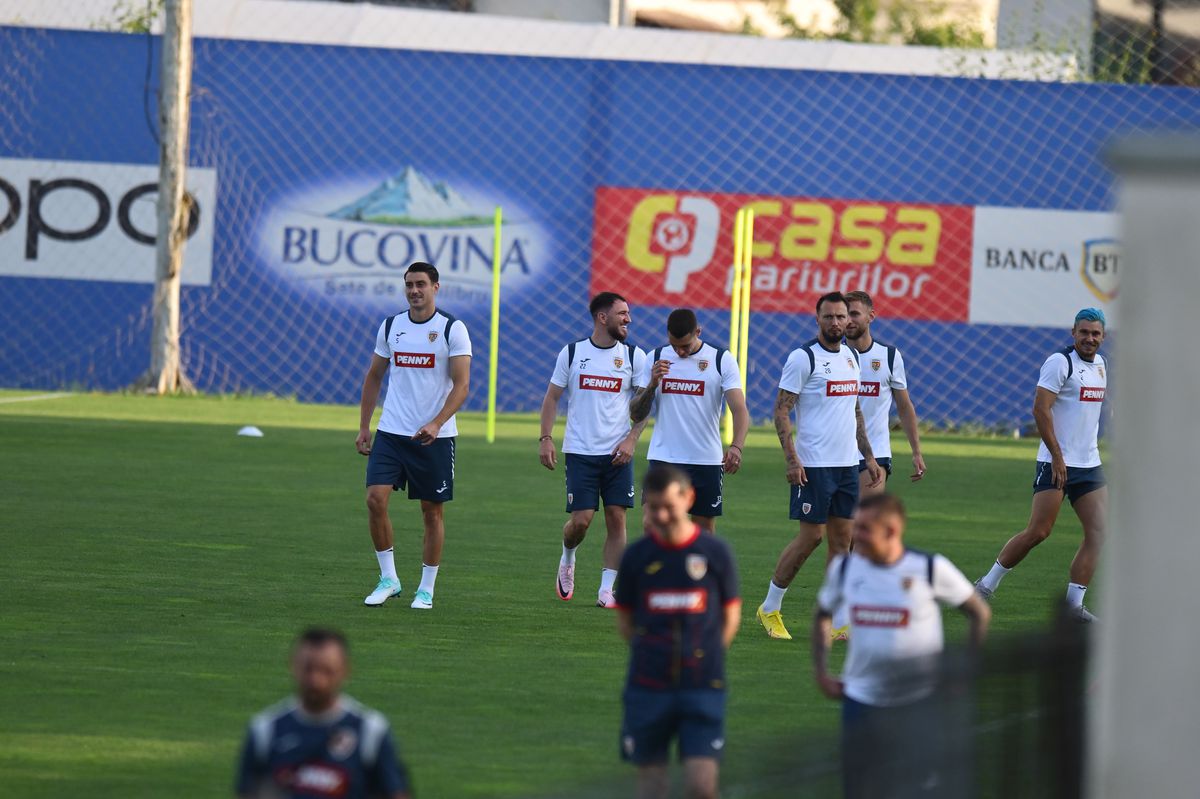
736 399
372 383
908 421
549 413
639 409
460 377
626 447
830 686
785 401
864 447
979 615
1043 415
733 619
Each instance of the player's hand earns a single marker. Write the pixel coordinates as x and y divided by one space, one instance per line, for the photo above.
623 454
918 467
547 454
1058 472
427 434
876 473
658 373
363 442
733 459
795 474
830 686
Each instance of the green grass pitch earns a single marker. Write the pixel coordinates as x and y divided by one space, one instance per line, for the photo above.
156 566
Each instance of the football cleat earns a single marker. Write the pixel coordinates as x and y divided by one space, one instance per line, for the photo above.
1081 614
422 601
606 600
773 622
386 589
983 590
566 582
840 634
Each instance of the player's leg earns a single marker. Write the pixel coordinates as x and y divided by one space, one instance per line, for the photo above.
809 505
1092 509
617 494
583 477
709 483
385 472
701 741
838 530
432 482
653 781
431 552
1047 500
646 730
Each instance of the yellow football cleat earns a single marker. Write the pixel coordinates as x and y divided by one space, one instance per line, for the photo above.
840 634
773 622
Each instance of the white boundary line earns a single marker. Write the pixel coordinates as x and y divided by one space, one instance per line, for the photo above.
58 395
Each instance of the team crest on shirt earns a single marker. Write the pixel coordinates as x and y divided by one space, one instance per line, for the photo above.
618 363
342 743
876 363
1100 369
906 583
697 566
703 365
433 337
850 362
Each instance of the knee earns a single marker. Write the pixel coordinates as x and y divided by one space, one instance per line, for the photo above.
377 503
432 513
1039 532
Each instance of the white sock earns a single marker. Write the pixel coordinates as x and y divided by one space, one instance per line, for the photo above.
387 563
428 578
607 577
774 600
568 555
1075 594
841 617
991 580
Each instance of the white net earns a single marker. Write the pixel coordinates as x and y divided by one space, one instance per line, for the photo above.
975 211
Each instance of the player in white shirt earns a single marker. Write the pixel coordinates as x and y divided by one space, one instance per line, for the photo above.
692 381
426 354
820 381
893 595
883 380
1066 408
599 376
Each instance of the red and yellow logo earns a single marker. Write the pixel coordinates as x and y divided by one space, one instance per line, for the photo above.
675 248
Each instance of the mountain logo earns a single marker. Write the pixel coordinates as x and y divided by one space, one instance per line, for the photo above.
356 250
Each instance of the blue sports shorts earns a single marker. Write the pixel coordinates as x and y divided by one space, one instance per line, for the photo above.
426 470
709 481
592 478
830 491
653 718
1080 480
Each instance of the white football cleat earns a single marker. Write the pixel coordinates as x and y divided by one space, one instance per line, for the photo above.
387 588
422 601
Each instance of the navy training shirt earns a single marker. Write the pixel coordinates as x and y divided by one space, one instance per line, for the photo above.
344 754
677 595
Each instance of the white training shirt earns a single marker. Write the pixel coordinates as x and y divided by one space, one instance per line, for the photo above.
826 423
882 371
1080 388
599 386
895 622
419 375
691 398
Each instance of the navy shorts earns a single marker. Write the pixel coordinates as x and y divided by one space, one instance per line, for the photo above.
884 463
591 478
652 718
708 481
830 491
427 471
1080 480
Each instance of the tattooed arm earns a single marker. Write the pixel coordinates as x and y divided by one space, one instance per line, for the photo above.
785 402
864 447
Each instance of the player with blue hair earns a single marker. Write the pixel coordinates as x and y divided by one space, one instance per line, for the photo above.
1066 408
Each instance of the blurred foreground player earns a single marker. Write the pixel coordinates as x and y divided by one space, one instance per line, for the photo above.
599 376
1070 394
678 606
320 743
426 354
890 744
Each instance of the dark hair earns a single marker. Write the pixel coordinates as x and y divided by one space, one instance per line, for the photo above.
833 296
859 296
320 636
421 266
681 322
884 503
662 476
603 302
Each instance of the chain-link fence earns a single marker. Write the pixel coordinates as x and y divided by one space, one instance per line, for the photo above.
978 212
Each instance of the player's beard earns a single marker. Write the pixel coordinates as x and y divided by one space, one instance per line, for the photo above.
615 332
